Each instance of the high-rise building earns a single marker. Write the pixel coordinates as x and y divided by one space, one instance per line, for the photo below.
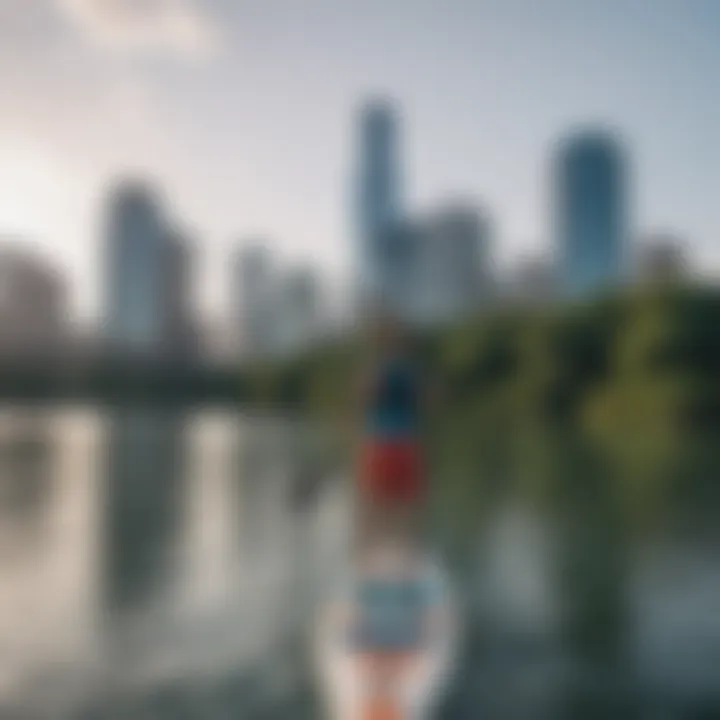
377 200
33 309
298 310
591 211
442 264
255 300
135 260
180 331
457 250
404 267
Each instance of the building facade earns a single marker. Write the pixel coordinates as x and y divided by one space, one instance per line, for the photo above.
591 212
299 311
457 256
180 333
377 200
440 265
255 300
135 261
33 306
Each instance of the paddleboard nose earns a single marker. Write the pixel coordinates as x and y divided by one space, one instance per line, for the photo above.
382 709
411 689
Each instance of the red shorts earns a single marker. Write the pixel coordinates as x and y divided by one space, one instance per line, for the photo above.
391 470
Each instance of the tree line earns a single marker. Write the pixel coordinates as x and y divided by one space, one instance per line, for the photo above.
624 386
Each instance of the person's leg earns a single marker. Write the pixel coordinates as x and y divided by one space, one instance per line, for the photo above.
387 524
374 497
377 525
391 493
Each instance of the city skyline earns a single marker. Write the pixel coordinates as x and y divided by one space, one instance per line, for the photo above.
249 128
571 254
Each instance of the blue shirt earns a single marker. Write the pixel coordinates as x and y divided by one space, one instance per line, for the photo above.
393 408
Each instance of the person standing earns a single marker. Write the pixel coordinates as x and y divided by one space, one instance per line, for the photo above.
393 398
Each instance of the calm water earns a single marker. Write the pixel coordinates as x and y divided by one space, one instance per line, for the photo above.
165 564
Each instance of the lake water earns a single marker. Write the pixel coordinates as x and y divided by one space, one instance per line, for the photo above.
159 563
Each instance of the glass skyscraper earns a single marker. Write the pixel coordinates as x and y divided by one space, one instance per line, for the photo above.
135 259
377 199
591 212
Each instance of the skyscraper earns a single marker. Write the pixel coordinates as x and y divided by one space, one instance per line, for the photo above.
403 262
254 287
377 194
135 258
591 211
180 331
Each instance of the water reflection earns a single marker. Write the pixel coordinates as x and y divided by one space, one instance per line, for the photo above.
149 562
142 504
162 563
575 614
25 474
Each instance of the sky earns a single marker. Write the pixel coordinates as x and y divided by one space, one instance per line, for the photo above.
243 111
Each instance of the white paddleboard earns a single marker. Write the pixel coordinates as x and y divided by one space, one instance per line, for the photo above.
350 691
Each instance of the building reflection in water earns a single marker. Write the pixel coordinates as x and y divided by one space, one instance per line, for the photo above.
142 504
25 473
156 562
48 556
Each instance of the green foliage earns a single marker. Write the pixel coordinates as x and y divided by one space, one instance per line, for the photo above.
634 376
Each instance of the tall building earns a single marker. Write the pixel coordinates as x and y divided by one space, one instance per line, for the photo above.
180 341
457 250
377 201
135 260
591 212
255 300
298 311
33 308
442 264
405 265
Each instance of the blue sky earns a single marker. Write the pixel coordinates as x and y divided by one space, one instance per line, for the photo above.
243 110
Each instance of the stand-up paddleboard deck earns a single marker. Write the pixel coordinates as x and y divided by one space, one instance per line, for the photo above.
416 681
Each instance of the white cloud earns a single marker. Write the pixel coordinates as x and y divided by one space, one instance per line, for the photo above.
176 26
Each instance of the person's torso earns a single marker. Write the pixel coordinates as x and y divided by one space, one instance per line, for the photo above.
393 407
